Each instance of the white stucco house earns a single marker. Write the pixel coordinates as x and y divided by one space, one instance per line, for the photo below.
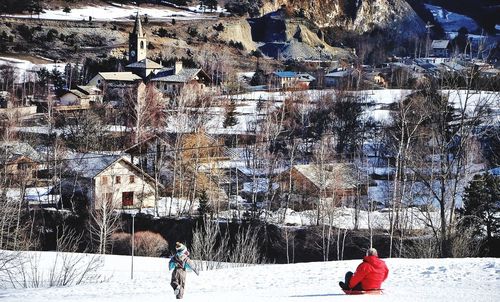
112 179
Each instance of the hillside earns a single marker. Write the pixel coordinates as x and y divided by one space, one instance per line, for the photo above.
303 29
444 280
356 16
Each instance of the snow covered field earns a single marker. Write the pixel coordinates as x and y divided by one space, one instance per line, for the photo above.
118 12
25 70
471 280
379 100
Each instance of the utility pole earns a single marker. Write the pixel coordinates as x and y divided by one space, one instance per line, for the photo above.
133 247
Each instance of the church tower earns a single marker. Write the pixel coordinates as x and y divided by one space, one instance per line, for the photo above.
137 43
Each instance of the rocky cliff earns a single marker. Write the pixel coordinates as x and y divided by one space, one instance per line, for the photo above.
358 16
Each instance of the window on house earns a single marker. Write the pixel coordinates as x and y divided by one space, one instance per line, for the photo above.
131 179
104 180
142 44
127 199
118 179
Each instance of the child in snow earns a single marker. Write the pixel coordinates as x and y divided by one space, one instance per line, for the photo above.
369 275
180 262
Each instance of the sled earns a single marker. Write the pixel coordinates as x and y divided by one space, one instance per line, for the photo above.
363 292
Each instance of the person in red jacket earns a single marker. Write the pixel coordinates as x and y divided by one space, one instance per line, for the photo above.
369 275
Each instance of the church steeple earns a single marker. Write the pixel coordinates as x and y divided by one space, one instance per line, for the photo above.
138 26
137 42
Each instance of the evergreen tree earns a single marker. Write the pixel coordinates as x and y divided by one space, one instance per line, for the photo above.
481 207
258 78
205 207
208 4
58 81
230 116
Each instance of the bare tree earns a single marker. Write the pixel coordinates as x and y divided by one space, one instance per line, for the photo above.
104 221
210 245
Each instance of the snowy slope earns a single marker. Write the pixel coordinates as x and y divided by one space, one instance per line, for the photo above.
409 280
25 70
117 12
450 21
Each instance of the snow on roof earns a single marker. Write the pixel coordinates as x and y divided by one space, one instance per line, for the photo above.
146 64
88 89
12 150
88 165
336 175
440 44
183 76
78 93
305 77
337 74
126 76
261 185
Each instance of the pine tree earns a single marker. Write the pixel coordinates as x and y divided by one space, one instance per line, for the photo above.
209 4
482 205
205 207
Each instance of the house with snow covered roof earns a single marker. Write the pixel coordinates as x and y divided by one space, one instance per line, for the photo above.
121 78
441 48
80 98
338 78
114 179
290 80
20 161
171 80
337 182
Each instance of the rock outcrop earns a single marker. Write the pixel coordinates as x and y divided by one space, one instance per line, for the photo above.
288 38
358 16
238 31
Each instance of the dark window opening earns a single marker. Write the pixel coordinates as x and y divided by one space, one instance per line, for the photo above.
127 199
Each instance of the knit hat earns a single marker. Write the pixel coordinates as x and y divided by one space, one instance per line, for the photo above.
371 252
179 246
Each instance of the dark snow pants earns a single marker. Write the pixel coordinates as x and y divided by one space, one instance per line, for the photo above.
178 281
345 285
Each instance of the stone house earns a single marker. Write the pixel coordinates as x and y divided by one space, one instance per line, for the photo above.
170 81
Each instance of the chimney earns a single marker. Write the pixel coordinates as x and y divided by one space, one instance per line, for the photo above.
177 67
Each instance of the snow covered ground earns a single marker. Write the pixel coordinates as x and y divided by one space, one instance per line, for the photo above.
25 70
378 100
450 21
471 280
119 12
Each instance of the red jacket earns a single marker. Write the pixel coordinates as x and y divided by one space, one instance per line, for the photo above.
371 273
